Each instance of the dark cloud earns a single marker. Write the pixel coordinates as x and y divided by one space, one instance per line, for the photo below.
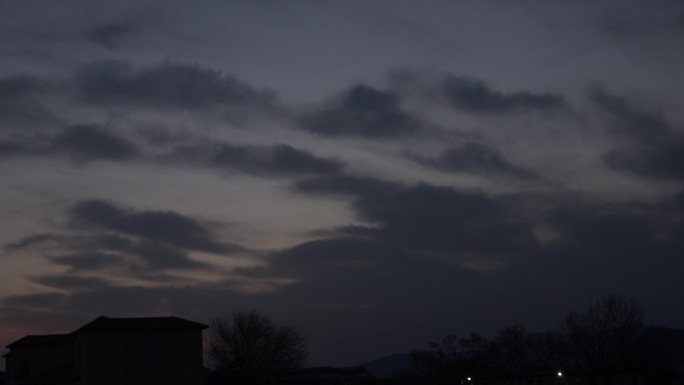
20 85
607 231
16 147
166 227
341 254
153 255
65 282
80 143
428 218
664 160
476 158
112 255
364 283
86 143
678 202
629 122
167 85
373 278
276 160
353 270
621 21
476 96
110 35
93 260
20 105
157 256
24 113
362 111
33 241
652 147
462 231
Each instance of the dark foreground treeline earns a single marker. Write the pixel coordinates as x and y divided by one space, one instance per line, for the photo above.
607 343
608 339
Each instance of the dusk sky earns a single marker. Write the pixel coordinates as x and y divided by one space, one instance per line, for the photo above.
377 173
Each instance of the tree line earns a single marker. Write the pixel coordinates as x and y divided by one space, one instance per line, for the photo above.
607 337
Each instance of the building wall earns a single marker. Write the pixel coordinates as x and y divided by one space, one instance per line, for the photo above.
141 357
26 363
99 358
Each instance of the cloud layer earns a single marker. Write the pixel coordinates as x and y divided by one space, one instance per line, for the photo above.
377 174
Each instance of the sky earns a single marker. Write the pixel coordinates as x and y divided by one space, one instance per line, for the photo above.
376 173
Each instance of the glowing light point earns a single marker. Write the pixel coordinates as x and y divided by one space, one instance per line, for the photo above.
560 374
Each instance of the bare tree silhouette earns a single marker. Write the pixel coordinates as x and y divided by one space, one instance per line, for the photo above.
249 343
606 337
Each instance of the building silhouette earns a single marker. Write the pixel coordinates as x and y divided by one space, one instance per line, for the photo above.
155 350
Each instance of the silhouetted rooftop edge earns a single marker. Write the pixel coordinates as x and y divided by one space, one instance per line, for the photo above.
103 323
42 340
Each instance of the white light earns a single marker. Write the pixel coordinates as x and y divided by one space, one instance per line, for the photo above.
470 379
560 374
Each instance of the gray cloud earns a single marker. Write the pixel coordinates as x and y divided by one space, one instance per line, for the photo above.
474 158
653 148
80 143
362 111
157 255
33 241
110 35
167 85
87 143
20 105
71 282
85 261
364 282
663 160
166 227
275 160
630 123
141 257
20 85
17 147
101 252
476 96
621 21
420 259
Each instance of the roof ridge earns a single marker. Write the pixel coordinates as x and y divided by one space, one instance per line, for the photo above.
103 323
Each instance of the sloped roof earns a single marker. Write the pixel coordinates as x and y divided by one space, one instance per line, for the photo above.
47 339
112 324
144 323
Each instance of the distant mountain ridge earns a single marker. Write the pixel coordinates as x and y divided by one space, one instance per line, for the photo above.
390 366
